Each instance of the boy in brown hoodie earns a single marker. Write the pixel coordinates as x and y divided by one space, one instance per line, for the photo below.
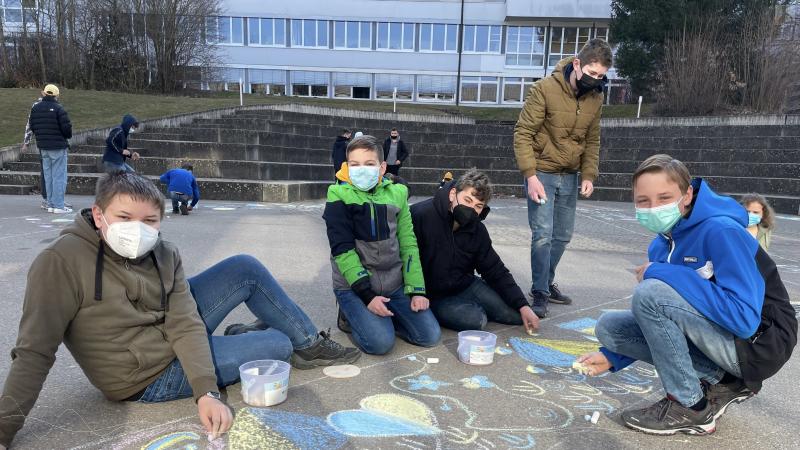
117 297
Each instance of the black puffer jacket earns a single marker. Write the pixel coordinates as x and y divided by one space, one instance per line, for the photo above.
50 124
339 153
450 259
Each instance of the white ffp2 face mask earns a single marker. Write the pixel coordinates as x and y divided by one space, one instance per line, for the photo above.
130 239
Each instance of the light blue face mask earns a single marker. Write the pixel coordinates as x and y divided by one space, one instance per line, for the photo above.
753 219
660 219
364 177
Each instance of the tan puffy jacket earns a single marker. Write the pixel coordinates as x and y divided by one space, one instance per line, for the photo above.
557 132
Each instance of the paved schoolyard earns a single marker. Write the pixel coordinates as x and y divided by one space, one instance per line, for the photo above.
529 397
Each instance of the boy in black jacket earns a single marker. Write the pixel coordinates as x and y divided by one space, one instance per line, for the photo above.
453 245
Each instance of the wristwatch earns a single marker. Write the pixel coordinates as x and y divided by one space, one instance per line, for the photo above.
215 395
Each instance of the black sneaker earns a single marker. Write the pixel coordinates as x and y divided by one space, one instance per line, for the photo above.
342 323
557 297
325 352
175 210
242 328
720 396
184 209
539 303
668 417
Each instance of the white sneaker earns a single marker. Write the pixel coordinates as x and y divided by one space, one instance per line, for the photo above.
49 209
63 210
44 204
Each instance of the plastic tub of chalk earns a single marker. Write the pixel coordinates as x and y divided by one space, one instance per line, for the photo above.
476 347
264 382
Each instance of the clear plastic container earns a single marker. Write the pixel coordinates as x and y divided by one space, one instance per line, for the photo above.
264 382
476 347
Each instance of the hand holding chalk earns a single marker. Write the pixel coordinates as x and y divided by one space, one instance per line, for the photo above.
593 364
215 416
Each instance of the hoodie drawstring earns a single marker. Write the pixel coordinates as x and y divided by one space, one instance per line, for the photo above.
164 303
98 276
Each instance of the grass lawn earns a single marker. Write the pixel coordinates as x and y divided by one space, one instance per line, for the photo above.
92 109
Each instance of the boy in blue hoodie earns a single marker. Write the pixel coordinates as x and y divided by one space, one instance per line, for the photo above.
182 187
117 153
710 311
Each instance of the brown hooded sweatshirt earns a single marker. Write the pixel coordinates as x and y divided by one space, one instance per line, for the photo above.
123 331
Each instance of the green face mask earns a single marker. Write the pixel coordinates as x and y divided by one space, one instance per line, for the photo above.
660 219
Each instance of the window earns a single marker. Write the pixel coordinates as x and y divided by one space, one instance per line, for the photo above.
482 38
385 84
352 85
225 30
395 36
310 84
12 11
352 35
438 37
309 33
516 90
601 32
267 82
222 79
436 88
525 46
479 89
262 31
567 41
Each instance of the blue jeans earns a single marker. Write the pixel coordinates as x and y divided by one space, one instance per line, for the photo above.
663 329
178 198
374 334
111 167
54 165
551 226
473 307
217 291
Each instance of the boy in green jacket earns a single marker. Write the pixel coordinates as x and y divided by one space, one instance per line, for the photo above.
377 276
117 297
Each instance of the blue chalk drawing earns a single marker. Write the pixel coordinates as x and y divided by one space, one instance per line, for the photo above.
426 382
503 351
518 442
477 382
305 432
360 422
540 354
579 324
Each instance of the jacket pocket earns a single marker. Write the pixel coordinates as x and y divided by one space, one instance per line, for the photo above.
151 352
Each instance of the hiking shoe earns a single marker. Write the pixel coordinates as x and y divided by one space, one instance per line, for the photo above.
325 352
539 303
720 396
63 210
557 297
184 210
343 324
242 328
668 417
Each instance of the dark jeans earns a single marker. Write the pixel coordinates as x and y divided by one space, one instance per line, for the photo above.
178 198
217 291
111 167
42 183
473 308
394 170
374 334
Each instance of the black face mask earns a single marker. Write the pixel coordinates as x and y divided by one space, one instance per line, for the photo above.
587 84
464 215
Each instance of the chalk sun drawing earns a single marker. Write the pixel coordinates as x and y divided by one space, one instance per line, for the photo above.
274 429
386 415
551 352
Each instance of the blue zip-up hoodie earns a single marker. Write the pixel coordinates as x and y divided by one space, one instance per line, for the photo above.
709 259
183 181
117 141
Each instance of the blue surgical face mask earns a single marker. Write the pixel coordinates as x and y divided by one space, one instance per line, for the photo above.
660 219
364 177
753 219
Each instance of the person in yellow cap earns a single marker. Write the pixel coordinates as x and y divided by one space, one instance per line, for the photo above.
50 123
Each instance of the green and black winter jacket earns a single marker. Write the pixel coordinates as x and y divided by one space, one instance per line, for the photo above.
373 247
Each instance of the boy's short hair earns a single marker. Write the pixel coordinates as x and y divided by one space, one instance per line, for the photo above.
366 142
344 131
393 129
676 171
187 166
596 51
477 180
111 185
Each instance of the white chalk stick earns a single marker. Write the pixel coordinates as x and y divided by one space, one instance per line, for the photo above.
412 358
595 417
433 360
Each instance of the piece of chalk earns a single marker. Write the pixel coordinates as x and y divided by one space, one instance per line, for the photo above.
530 332
433 360
595 417
412 358
580 368
542 201
530 369
587 417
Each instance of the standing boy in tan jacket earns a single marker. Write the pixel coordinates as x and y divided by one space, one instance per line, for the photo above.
557 136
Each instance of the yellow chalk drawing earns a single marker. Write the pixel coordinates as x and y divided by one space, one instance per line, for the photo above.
248 433
400 406
589 331
575 348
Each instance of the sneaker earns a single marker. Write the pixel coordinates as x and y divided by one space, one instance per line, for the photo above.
50 209
557 297
242 328
668 417
720 396
184 210
343 324
175 210
63 210
44 205
324 353
539 303
68 205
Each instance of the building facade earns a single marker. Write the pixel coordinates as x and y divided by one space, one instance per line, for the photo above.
418 50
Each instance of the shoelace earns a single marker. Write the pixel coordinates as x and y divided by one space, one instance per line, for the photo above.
328 343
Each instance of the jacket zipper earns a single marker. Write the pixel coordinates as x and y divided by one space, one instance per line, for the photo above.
671 248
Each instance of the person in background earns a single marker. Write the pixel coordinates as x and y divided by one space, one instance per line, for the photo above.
761 218
394 152
50 123
339 152
26 140
182 188
117 146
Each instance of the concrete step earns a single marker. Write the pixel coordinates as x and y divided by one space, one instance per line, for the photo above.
34 166
704 142
764 186
763 170
426 189
740 155
707 131
211 189
16 189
